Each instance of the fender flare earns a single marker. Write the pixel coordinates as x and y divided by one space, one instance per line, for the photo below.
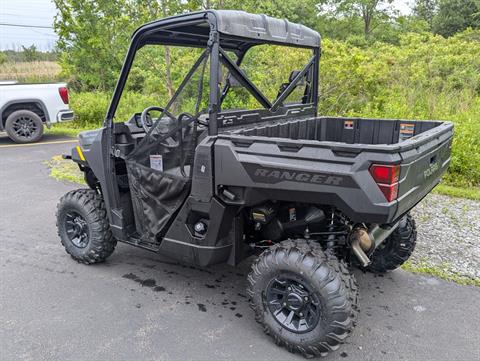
39 102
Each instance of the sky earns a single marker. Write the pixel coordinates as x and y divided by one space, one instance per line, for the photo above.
27 12
41 13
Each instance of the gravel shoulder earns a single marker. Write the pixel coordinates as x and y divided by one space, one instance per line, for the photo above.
448 236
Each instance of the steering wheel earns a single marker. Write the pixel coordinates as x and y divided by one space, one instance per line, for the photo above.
144 117
169 142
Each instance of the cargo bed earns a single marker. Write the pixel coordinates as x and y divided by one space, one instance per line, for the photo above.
345 130
271 154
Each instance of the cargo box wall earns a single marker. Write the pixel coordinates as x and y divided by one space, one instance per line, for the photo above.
344 130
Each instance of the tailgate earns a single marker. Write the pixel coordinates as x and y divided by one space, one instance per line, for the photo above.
425 158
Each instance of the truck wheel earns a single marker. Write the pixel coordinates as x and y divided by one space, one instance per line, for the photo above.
83 226
24 126
304 298
397 248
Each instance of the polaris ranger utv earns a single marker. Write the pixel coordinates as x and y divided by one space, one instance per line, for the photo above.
309 195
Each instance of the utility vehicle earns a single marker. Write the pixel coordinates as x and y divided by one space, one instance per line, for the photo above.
309 195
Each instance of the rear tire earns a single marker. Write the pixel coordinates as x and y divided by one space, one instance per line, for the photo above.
24 126
83 226
306 299
396 249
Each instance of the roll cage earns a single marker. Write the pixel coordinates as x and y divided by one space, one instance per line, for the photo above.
221 31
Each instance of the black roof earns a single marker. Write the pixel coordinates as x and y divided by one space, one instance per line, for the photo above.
237 29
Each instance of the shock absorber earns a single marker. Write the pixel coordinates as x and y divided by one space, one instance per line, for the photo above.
336 231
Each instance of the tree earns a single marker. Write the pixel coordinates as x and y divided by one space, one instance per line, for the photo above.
31 53
372 12
94 36
426 10
456 15
300 11
157 9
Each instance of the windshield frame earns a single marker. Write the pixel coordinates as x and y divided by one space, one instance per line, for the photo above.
146 35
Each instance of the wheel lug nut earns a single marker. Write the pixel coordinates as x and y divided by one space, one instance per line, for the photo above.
301 314
289 288
284 303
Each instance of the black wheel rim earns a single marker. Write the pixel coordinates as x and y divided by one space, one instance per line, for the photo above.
24 127
293 303
77 229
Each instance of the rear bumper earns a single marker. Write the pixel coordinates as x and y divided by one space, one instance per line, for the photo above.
65 116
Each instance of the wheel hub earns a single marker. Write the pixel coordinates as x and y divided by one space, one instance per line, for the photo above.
24 127
77 229
293 303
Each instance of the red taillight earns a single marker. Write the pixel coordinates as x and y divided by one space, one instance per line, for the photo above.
386 174
389 191
386 177
63 91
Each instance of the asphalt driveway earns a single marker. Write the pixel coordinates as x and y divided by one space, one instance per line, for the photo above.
139 306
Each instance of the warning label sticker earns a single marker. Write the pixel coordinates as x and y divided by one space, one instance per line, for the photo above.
407 130
348 124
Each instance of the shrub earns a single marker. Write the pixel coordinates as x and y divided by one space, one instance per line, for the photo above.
89 108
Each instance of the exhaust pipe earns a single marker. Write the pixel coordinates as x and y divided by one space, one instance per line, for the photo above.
360 253
365 241
379 234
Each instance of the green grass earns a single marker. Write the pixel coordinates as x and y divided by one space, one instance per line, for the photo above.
64 170
458 192
440 271
67 129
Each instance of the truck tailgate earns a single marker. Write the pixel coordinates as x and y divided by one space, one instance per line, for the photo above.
424 159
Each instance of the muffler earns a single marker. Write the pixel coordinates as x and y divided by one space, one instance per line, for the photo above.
364 241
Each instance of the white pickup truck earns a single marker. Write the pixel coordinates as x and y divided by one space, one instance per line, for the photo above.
25 109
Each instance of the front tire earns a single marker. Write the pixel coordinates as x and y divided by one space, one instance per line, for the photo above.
304 298
83 226
397 248
24 126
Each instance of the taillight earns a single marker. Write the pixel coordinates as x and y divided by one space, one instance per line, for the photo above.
386 177
63 91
